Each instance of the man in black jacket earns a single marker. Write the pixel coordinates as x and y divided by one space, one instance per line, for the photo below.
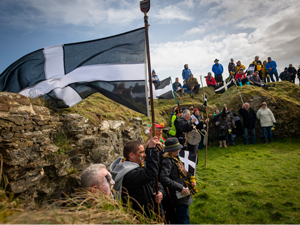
249 119
184 125
293 73
135 181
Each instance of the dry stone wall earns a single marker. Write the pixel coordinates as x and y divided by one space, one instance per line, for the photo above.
36 169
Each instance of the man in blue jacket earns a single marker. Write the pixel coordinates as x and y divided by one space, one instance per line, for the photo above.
271 68
186 73
218 70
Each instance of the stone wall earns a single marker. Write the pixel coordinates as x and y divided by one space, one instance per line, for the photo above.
35 168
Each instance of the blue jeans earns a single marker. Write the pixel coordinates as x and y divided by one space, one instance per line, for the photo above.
252 132
232 139
182 214
266 131
271 75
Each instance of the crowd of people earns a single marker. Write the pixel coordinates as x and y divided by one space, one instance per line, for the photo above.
258 73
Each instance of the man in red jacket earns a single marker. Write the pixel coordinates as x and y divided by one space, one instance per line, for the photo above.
210 81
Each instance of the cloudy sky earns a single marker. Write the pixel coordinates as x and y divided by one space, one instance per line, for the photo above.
181 31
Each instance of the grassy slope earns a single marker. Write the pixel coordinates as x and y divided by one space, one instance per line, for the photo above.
285 95
253 184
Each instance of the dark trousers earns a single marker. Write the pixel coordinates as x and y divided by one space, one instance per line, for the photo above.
260 75
252 132
266 131
212 85
182 214
271 75
293 79
230 138
196 89
266 79
244 81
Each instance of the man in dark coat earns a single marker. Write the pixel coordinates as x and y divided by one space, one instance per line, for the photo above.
184 125
249 119
135 181
293 73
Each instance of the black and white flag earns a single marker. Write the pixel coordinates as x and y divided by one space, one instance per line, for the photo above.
66 74
162 89
205 101
228 83
189 161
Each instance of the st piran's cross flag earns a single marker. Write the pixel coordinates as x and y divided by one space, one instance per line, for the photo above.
228 83
162 89
189 161
66 74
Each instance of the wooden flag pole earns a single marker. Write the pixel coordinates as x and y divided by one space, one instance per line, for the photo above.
145 7
207 125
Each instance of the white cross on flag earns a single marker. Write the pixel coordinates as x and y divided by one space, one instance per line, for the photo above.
189 161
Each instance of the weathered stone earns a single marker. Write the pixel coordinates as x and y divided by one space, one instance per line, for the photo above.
116 125
104 126
22 144
28 127
41 110
23 109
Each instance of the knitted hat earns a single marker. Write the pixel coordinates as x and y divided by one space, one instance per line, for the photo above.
196 110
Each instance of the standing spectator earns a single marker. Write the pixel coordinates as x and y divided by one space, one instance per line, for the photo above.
177 88
186 72
258 66
271 67
285 75
239 65
293 73
200 124
174 177
265 73
193 85
218 70
155 78
210 81
298 73
255 80
220 125
177 114
230 124
241 78
267 120
249 120
231 68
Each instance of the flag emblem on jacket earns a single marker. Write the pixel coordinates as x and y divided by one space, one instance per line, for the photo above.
66 74
189 161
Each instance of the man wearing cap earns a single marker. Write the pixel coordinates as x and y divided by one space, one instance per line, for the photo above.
218 70
293 73
177 88
135 182
271 67
285 75
249 120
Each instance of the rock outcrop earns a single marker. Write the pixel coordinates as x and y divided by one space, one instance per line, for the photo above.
35 167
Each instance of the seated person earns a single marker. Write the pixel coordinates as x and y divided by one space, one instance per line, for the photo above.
241 78
285 75
210 81
185 87
96 177
255 80
177 88
155 78
193 85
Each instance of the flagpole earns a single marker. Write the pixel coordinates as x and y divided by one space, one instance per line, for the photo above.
208 122
145 7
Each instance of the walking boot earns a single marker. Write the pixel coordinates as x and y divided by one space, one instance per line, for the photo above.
220 144
247 83
267 141
271 140
224 143
240 83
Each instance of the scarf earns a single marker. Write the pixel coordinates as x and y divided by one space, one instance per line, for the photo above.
189 179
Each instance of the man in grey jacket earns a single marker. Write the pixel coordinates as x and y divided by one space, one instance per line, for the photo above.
136 181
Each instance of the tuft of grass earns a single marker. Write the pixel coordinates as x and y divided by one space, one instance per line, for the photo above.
63 143
244 185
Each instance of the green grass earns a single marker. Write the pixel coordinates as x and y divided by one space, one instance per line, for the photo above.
249 184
